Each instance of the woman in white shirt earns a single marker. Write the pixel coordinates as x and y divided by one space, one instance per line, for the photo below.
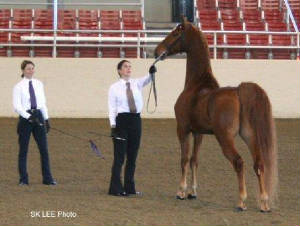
125 103
30 103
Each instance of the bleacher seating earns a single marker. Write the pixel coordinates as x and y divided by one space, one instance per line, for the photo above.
132 20
249 15
206 4
227 4
249 5
66 21
110 20
213 15
88 20
43 19
209 21
21 19
295 7
4 24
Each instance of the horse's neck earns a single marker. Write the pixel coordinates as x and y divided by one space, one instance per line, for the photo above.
198 68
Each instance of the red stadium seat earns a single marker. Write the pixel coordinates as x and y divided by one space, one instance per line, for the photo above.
294 4
21 19
279 39
296 14
252 15
110 20
230 16
209 21
88 20
270 4
231 22
275 22
257 39
259 53
4 18
273 16
227 4
249 4
4 24
206 4
43 19
132 20
282 54
236 53
66 21
219 53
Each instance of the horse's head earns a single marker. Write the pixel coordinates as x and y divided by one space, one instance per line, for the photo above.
174 42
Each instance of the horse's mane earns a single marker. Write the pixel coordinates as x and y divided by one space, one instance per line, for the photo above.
205 75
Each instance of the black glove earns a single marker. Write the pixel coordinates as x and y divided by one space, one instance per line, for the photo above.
152 69
47 125
113 132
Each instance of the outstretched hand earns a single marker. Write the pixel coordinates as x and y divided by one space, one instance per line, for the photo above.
152 69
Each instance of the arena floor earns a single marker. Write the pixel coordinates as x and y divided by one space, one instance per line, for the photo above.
84 178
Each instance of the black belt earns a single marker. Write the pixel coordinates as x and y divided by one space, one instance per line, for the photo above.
129 114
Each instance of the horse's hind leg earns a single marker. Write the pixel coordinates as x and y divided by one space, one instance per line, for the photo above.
227 143
194 165
184 143
248 136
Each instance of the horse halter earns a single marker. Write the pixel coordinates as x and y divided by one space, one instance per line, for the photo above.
180 39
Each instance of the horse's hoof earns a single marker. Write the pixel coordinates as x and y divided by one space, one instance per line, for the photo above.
240 209
190 196
179 197
265 211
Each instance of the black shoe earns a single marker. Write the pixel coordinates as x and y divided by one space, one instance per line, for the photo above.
119 194
137 193
50 183
23 184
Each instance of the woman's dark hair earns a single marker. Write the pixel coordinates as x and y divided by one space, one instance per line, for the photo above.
24 64
120 64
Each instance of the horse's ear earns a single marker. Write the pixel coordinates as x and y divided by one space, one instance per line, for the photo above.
183 21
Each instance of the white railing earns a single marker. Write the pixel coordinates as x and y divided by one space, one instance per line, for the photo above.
141 41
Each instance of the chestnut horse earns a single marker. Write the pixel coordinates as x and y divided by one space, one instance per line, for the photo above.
205 108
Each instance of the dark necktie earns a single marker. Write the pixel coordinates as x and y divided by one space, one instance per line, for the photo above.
130 98
32 96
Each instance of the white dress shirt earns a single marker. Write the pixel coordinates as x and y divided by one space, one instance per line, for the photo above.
117 98
21 97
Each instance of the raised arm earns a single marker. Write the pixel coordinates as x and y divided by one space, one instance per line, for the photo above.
143 81
146 79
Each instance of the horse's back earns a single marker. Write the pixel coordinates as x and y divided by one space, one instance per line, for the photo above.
224 109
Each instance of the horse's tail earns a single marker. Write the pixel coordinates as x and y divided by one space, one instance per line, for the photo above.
256 109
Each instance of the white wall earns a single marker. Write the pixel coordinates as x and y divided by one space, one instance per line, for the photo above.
78 87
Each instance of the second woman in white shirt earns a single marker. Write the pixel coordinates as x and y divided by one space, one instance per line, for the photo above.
125 103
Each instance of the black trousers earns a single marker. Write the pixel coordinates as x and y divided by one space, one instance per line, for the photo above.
24 130
128 126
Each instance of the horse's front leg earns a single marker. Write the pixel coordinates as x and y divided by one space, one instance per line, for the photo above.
184 142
